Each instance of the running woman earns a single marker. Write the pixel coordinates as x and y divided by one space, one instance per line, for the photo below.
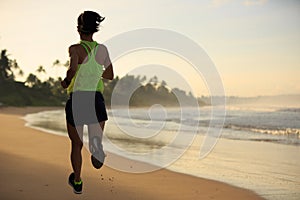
89 63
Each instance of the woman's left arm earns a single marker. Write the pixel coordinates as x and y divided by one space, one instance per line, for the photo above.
73 66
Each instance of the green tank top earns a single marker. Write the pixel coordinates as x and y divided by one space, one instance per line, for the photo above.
88 75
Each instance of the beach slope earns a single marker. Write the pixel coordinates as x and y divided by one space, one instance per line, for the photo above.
36 165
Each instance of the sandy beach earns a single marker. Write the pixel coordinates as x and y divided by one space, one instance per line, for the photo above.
35 165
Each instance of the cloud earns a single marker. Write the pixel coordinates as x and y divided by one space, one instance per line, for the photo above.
255 2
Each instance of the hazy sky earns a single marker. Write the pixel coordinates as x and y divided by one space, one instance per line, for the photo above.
254 44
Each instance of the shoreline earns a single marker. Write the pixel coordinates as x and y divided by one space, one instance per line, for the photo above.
49 154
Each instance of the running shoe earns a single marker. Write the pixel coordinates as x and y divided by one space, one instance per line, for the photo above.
98 154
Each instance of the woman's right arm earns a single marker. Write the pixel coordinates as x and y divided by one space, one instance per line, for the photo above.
108 72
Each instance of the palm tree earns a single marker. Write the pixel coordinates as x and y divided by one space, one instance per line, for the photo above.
41 69
8 67
56 63
5 66
33 81
154 81
21 73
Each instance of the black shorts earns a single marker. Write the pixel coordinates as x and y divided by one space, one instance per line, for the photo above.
85 107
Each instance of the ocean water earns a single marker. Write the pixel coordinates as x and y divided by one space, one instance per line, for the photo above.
258 149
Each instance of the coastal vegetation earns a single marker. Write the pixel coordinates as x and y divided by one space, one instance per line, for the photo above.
35 92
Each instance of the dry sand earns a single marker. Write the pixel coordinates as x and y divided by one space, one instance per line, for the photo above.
36 165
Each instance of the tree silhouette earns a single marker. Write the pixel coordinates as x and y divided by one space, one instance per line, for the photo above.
6 66
58 63
33 81
21 73
49 92
41 69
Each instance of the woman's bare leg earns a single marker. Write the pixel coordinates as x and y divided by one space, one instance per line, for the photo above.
95 144
96 130
75 134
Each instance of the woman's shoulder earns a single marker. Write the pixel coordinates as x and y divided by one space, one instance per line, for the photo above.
102 46
74 48
102 53
102 49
